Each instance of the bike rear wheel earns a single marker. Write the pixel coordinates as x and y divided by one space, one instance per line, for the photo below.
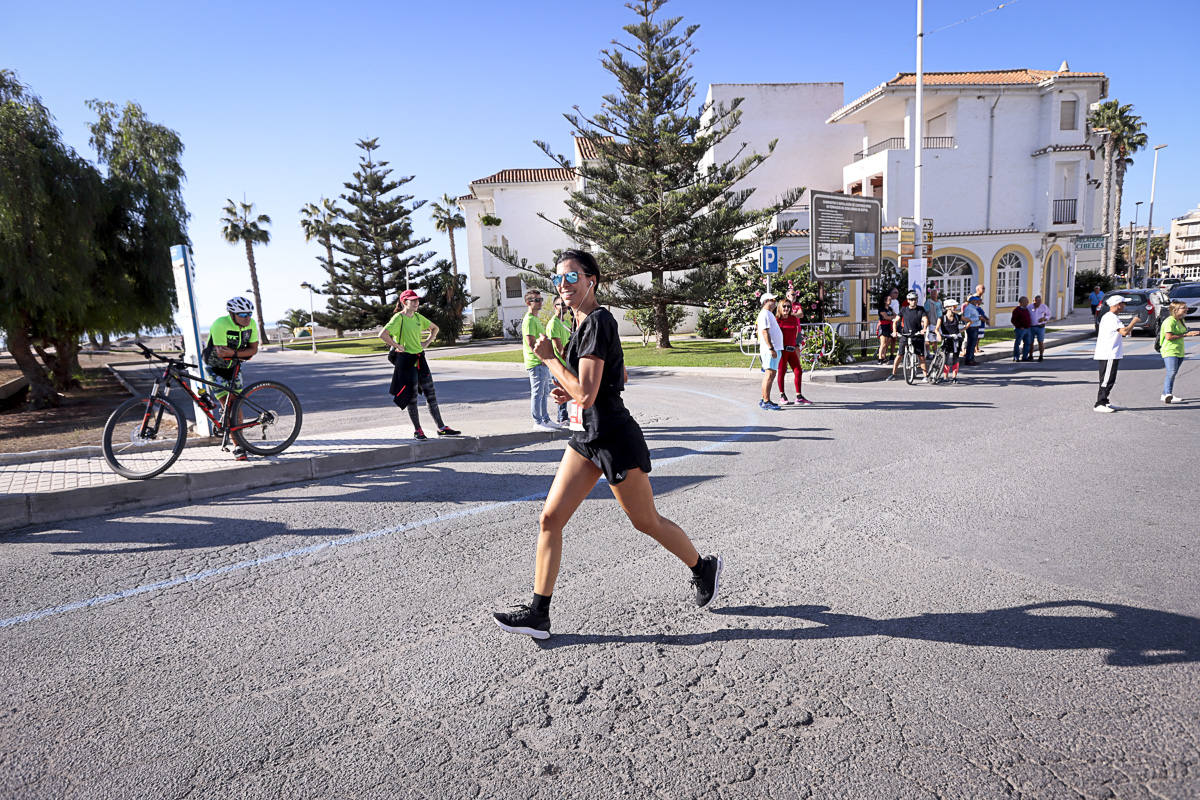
910 366
272 415
143 437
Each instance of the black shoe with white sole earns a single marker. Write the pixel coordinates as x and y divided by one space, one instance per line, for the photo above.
708 582
523 619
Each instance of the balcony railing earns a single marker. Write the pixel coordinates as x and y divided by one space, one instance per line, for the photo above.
1064 212
897 143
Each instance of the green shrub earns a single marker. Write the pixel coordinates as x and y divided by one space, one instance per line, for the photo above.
486 327
1088 279
643 320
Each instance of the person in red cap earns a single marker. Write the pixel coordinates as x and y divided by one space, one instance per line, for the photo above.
405 334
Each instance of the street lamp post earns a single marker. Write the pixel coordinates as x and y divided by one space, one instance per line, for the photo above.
1150 215
312 319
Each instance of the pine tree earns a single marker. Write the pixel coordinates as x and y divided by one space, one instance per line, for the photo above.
444 297
663 224
377 241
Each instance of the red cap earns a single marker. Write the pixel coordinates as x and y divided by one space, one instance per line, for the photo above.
409 294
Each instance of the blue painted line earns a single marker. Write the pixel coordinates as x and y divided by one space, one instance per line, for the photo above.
104 599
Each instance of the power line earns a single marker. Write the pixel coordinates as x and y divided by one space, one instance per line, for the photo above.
976 16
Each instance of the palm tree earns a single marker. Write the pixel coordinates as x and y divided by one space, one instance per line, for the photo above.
239 225
1125 138
446 219
319 222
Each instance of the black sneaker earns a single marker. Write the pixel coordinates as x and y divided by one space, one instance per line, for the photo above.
708 582
419 434
523 619
446 430
239 454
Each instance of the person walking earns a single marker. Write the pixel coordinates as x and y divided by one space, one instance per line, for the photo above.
1171 346
559 332
950 327
532 329
1022 322
790 318
605 440
770 345
887 319
974 318
1039 314
405 336
1110 347
1095 298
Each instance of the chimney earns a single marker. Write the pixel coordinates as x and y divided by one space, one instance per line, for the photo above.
1064 67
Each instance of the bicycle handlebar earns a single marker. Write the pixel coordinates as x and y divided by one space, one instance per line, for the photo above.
148 353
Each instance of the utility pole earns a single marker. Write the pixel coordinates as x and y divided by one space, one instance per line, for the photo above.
917 131
1150 216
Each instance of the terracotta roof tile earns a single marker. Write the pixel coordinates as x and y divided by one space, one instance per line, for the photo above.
552 174
587 148
997 77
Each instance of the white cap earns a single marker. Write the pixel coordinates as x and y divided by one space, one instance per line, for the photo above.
1115 300
765 297
951 303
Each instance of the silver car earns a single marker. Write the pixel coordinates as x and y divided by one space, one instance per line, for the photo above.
1187 293
1141 303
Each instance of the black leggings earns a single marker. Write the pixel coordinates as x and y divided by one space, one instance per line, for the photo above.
425 385
411 377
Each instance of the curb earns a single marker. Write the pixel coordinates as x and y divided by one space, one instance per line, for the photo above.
40 508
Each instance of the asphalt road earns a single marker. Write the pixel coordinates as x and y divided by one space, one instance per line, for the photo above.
983 590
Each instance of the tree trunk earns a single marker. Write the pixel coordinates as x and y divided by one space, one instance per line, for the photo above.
453 255
1106 198
62 363
41 392
105 340
1118 188
262 321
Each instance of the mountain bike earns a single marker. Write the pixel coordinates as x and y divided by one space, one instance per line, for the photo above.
145 435
937 364
909 356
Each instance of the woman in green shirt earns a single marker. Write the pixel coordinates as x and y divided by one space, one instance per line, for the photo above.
1171 339
405 335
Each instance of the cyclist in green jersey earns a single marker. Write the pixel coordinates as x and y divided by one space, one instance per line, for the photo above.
234 335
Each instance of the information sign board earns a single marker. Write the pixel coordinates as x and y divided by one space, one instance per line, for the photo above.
844 236
1089 242
188 323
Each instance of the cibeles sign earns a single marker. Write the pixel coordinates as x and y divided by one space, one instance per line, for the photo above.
844 236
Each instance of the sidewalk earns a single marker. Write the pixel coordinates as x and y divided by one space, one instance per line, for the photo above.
48 490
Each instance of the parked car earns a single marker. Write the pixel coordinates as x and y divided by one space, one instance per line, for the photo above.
1188 293
1167 283
1146 304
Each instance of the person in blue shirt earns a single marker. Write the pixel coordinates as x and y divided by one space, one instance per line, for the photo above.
974 318
1095 298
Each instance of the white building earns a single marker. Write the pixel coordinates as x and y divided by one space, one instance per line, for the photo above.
1010 176
1183 250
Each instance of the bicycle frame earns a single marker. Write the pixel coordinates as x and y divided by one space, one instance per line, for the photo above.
174 372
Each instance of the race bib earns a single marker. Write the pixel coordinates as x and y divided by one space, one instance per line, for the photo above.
574 416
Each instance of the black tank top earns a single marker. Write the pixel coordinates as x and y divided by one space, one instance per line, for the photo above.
950 326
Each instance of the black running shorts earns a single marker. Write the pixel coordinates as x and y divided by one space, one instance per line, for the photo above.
617 452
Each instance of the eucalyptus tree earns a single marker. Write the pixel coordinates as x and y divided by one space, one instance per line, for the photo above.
663 223
447 219
240 224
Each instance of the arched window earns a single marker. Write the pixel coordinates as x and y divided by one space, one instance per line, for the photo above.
512 287
1008 278
951 275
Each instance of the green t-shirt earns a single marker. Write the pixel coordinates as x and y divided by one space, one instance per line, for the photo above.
558 330
531 325
1172 347
224 332
406 331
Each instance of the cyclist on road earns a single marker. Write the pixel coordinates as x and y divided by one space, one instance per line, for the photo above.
234 335
950 328
913 324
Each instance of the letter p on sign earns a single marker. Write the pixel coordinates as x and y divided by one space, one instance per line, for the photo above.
770 260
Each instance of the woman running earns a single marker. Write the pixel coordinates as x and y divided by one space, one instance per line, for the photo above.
950 327
405 335
790 316
605 440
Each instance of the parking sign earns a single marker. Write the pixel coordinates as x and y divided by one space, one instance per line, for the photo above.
770 260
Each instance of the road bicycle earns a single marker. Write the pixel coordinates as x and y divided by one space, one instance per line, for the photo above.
909 356
145 435
937 364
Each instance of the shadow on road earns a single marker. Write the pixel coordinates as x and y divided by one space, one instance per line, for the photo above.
1133 637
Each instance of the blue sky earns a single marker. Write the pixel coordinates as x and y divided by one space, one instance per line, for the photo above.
270 97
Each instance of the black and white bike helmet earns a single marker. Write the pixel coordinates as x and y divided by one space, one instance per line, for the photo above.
239 305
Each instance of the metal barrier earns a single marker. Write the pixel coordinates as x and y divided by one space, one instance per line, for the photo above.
864 334
747 342
821 333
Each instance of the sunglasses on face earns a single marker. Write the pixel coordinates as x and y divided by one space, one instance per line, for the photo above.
569 277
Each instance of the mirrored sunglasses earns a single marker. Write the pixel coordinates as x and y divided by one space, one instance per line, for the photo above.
569 277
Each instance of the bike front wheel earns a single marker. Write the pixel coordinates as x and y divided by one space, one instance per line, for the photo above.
265 418
910 366
143 437
937 365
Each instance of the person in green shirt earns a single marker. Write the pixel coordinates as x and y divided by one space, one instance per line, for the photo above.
233 336
405 335
1171 337
560 333
539 374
